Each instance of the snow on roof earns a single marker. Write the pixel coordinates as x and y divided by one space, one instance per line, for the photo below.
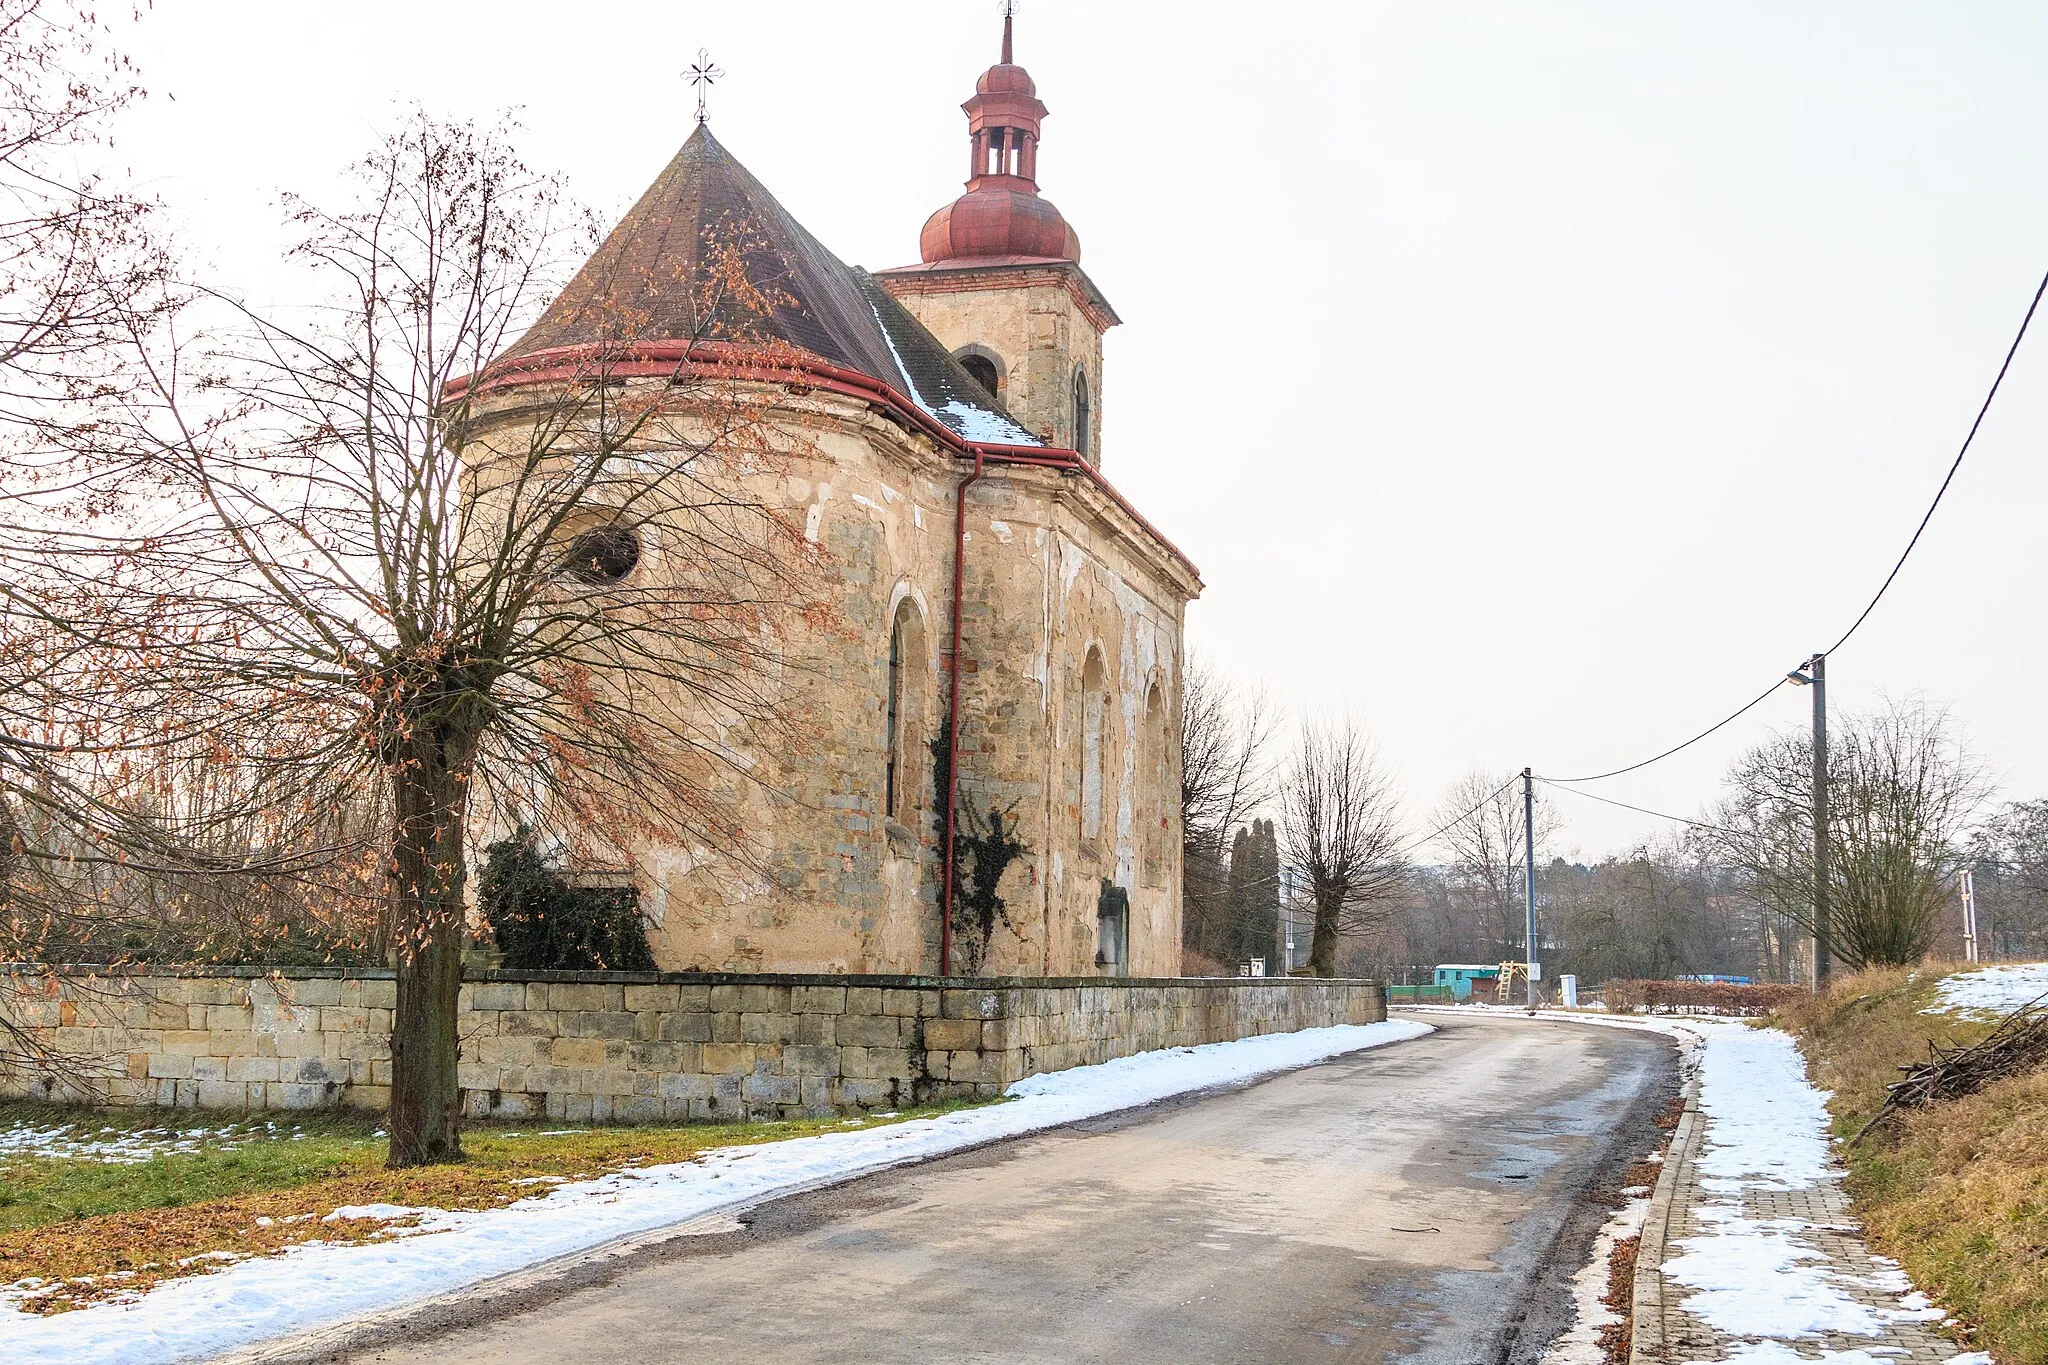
938 383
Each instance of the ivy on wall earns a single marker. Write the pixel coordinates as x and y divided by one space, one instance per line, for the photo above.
985 844
544 924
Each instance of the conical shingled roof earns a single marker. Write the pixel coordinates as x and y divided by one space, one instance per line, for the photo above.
645 284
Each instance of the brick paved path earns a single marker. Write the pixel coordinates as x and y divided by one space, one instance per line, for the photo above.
1685 1217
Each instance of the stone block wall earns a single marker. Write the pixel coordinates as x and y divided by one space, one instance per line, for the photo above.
628 1046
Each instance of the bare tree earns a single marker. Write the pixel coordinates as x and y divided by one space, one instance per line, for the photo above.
76 257
1225 736
1647 914
366 560
1901 791
2009 854
1482 819
1341 821
78 263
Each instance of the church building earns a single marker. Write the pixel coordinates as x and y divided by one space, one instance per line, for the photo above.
956 488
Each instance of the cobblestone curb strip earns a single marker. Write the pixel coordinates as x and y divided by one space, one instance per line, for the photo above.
1647 1340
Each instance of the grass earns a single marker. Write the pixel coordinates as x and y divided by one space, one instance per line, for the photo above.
82 1230
1957 1192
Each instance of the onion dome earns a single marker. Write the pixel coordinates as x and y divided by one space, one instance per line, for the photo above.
1002 214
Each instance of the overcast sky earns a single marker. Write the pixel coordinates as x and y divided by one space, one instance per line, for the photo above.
1536 381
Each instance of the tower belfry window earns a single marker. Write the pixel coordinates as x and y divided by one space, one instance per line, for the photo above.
984 371
1083 414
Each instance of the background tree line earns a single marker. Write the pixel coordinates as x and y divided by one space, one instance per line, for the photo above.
1318 834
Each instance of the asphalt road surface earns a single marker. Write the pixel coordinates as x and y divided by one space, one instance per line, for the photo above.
1423 1202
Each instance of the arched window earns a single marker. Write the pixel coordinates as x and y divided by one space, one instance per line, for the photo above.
904 709
984 371
1082 415
1157 795
1094 718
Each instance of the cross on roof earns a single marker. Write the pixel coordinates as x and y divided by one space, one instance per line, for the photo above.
703 76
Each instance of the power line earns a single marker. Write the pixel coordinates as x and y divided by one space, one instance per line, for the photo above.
1640 810
1457 819
1729 719
1997 382
2010 352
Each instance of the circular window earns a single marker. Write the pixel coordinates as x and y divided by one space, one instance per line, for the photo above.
605 555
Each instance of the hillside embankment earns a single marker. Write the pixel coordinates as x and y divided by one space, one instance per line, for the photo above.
1957 1192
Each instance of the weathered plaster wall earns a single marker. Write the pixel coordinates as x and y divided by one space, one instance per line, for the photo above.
585 1046
1054 570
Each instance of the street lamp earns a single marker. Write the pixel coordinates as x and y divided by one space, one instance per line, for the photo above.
1815 675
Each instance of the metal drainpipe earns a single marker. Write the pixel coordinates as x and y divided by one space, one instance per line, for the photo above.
953 714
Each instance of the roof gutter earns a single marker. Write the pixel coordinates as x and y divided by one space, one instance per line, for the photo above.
952 811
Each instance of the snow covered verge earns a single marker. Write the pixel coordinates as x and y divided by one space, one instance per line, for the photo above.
1988 993
1772 1279
315 1284
1769 1280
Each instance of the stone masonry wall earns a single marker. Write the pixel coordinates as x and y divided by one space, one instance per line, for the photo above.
595 1047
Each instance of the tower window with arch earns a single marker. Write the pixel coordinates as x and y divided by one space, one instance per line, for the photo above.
1094 741
904 709
1083 416
983 371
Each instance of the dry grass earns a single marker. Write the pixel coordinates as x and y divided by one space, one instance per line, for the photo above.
1957 1192
135 1243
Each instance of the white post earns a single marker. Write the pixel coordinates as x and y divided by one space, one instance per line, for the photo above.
1969 916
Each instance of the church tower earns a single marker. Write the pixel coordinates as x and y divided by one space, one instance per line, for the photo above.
1001 282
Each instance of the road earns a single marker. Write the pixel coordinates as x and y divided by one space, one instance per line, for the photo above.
1426 1202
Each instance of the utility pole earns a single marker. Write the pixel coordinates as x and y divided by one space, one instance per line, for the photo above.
1823 937
1816 677
1529 878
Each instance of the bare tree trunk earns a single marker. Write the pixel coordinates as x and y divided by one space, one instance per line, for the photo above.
426 1096
1322 951
1339 814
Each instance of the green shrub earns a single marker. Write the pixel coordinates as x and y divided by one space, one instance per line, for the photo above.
544 924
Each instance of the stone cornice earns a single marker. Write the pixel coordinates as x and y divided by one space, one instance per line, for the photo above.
1003 272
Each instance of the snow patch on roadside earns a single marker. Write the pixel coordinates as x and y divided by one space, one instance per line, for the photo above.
1580 1345
1753 1279
1766 1131
315 1284
1766 1126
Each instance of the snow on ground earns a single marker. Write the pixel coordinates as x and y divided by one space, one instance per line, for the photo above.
1777 1353
129 1147
316 1284
1991 992
1766 1131
1580 1345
